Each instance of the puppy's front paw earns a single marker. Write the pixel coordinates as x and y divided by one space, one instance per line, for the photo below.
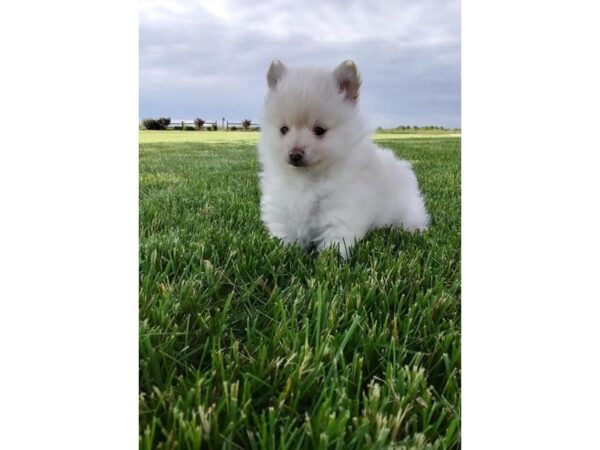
342 246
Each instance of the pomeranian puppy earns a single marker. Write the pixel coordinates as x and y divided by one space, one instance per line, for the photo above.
324 183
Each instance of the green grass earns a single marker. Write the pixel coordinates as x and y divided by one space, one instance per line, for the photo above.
176 136
245 343
419 132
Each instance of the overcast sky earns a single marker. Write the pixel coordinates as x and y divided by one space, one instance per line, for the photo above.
209 59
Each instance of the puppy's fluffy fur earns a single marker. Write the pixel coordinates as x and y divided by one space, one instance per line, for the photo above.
324 182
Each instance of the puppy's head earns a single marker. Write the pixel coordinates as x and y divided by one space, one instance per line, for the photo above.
310 118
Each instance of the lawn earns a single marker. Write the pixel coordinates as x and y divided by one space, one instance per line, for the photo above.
245 343
173 136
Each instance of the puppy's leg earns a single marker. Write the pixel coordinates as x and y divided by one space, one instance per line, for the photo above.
282 235
415 220
340 238
342 245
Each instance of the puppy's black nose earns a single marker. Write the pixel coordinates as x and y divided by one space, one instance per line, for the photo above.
296 155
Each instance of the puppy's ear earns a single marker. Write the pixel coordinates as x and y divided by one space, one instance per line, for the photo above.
348 80
275 73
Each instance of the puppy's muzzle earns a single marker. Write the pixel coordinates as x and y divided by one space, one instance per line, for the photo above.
296 156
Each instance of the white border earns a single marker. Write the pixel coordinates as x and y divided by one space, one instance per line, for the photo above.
530 225
68 237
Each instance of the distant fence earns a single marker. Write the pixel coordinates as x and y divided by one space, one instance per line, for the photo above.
190 123
240 126
225 125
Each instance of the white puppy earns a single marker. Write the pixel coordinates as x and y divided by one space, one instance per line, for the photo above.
324 182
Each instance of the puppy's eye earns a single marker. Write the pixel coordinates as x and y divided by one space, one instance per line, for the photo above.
284 130
319 131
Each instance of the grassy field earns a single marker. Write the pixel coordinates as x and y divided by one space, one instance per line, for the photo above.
245 343
174 136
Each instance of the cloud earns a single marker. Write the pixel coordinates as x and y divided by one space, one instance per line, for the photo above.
209 58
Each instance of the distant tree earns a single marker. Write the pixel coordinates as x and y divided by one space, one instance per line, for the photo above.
246 124
151 124
199 123
164 122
